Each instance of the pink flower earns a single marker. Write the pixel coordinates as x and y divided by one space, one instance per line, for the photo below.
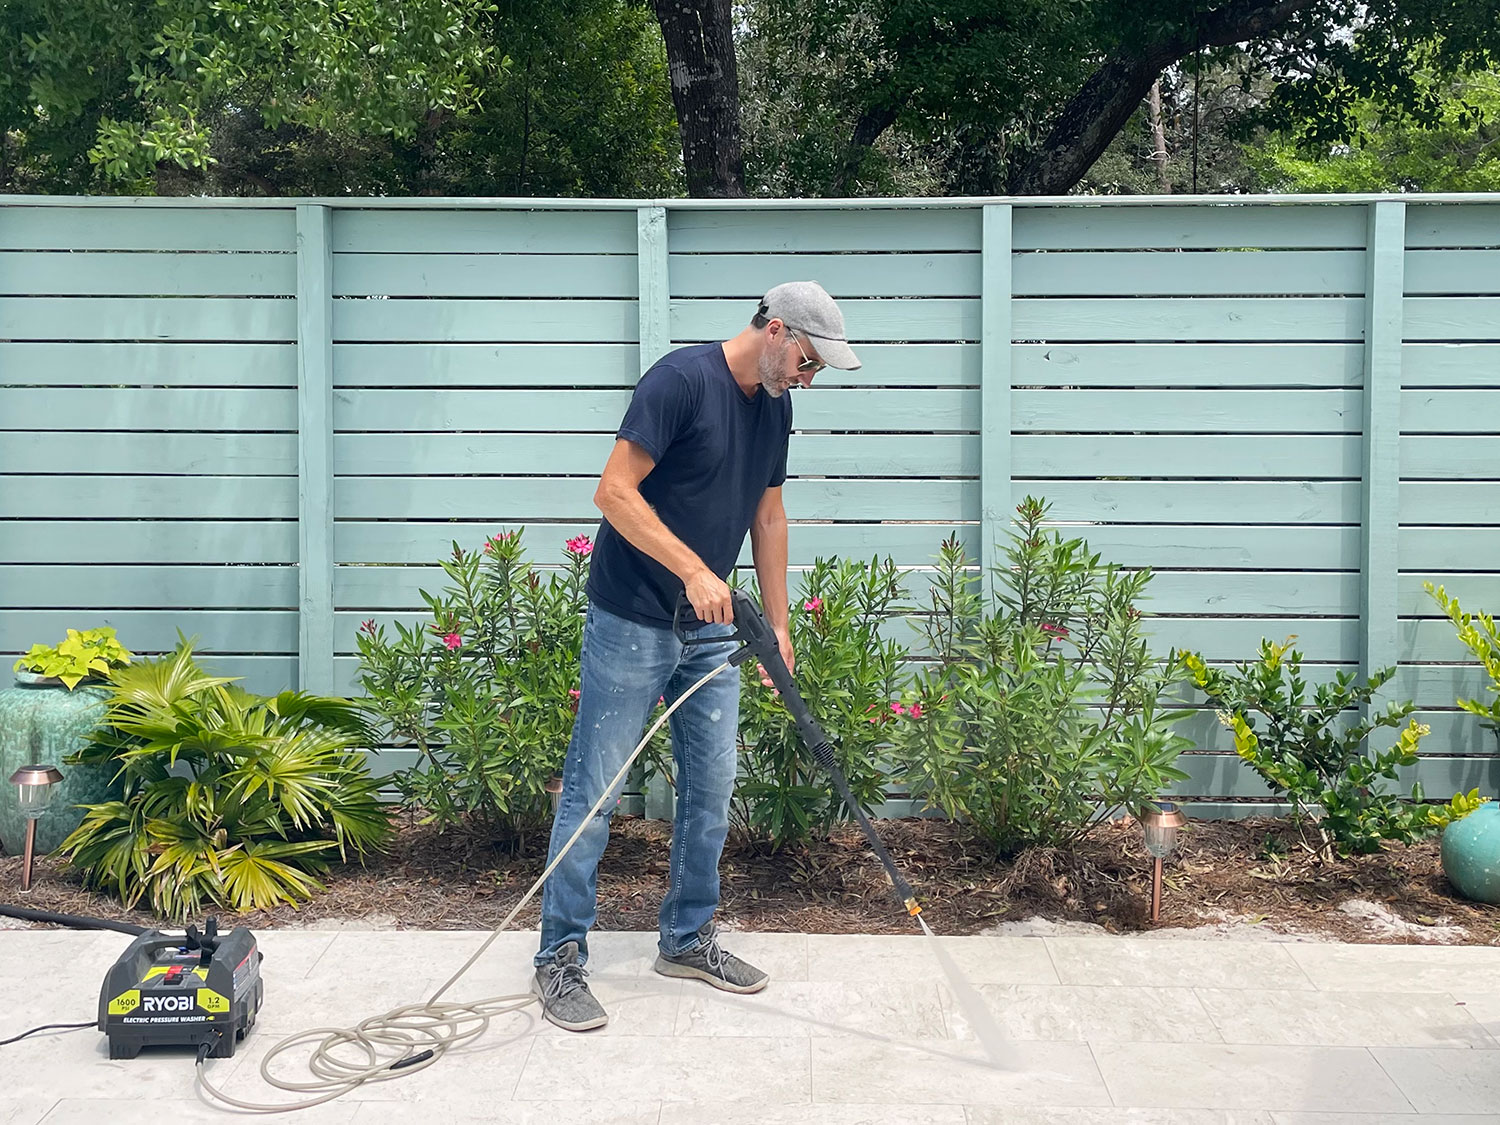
493 543
453 640
580 545
897 709
1055 631
367 626
915 711
573 697
815 605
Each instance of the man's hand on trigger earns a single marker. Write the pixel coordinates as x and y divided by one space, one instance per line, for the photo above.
709 596
788 657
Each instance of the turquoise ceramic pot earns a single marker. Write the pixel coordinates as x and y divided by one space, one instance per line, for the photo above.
41 723
1471 854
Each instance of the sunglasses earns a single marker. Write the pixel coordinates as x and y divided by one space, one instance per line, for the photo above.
807 366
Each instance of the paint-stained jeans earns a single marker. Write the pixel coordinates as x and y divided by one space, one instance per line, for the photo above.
626 668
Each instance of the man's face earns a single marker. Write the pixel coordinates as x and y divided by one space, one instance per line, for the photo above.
788 362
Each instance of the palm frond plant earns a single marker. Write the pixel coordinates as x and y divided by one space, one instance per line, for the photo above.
230 798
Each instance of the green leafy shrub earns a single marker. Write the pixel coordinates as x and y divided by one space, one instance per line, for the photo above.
93 653
1041 714
233 799
848 673
1477 631
1304 751
487 690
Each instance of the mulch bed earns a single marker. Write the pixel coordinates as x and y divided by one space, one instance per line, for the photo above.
1250 871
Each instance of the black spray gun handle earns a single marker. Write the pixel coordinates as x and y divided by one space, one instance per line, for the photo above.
757 639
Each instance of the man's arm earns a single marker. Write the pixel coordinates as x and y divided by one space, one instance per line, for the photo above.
768 548
619 498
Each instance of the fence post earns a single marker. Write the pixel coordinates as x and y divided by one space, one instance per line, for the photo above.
656 339
1381 467
994 391
314 450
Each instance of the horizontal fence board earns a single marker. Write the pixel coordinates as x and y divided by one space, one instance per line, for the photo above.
908 544
925 455
105 586
148 318
1280 593
600 411
897 319
148 364
821 231
1225 775
1210 226
148 541
1453 224
748 276
1451 318
507 231
1198 318
25 273
1428 457
1451 412
1447 548
485 275
1125 273
1197 502
1186 456
1461 502
1480 590
1442 272
572 498
440 320
1187 411
126 497
395 364
130 227
1450 365
250 631
1187 365
1228 546
175 454
149 409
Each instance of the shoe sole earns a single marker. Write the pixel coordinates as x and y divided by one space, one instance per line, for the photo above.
566 1025
688 972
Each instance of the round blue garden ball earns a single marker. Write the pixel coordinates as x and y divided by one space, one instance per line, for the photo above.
1471 854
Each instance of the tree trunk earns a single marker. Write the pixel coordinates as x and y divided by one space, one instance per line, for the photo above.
872 122
699 37
1101 108
1159 140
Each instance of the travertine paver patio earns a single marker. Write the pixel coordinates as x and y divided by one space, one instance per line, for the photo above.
853 1030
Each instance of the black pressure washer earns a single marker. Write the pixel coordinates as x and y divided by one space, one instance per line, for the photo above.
183 990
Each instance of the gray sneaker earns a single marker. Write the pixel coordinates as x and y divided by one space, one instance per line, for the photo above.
566 999
708 962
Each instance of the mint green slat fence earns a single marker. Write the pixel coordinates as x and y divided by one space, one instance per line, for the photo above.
263 422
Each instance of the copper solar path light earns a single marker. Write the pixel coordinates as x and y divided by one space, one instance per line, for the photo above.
34 788
1161 820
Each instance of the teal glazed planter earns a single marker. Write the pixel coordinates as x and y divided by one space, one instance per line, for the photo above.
41 723
1471 854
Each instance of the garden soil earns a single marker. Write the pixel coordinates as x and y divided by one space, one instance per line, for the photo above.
1228 879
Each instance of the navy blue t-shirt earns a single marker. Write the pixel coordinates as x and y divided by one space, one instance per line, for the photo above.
716 450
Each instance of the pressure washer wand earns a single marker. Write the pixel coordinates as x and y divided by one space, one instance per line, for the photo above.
758 640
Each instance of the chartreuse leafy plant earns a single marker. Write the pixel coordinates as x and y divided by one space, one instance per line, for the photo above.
230 799
850 673
94 652
1042 712
1314 752
1477 631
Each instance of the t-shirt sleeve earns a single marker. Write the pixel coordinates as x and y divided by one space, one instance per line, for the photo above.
659 411
778 474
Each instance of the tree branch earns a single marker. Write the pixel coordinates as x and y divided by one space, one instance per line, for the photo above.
1104 104
874 121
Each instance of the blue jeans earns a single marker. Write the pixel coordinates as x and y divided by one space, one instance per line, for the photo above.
626 668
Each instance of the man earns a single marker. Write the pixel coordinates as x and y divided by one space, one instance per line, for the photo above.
698 461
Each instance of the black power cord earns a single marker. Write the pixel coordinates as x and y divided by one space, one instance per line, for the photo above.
48 1027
